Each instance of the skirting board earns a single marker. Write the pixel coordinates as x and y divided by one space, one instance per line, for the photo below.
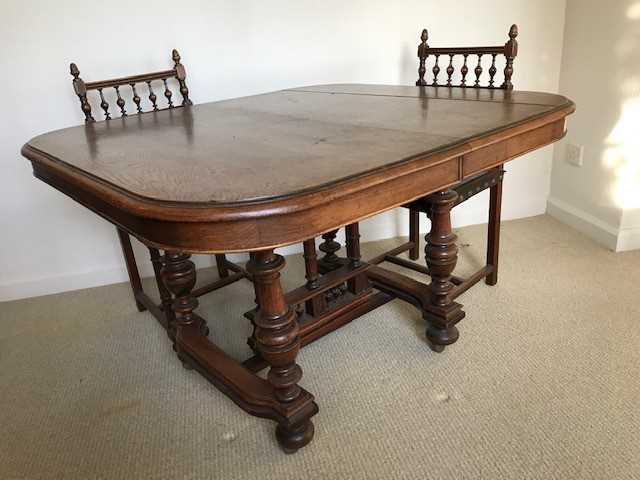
79 280
629 239
615 239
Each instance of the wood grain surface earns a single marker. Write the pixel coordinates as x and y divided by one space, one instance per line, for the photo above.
270 170
282 143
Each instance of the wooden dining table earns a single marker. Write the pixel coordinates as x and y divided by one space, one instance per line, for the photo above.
256 173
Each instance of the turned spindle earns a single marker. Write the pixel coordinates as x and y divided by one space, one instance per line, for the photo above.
317 304
311 263
464 70
329 247
492 70
436 70
450 70
478 70
136 97
153 98
359 283
352 234
120 101
167 93
104 105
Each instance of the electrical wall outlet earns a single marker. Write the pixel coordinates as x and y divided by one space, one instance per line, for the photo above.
574 154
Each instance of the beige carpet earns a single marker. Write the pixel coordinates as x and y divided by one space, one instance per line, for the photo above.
544 382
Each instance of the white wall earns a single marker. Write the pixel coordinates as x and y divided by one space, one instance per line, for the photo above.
231 49
601 73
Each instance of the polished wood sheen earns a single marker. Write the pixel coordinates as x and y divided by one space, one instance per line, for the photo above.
226 173
255 173
132 85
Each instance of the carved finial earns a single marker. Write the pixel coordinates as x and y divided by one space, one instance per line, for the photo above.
73 68
81 91
423 50
181 75
510 52
513 31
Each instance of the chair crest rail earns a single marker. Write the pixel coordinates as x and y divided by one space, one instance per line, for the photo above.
178 72
509 51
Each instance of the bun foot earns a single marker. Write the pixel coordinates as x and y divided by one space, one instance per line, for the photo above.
140 306
291 439
440 338
186 364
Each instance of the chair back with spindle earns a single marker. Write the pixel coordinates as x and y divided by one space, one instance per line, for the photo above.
178 72
509 50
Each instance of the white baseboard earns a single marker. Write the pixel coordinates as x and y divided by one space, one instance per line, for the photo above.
629 239
603 233
62 283
79 280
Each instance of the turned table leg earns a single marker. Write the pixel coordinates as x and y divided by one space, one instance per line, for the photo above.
278 341
493 238
157 261
179 275
221 263
441 255
132 267
251 341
